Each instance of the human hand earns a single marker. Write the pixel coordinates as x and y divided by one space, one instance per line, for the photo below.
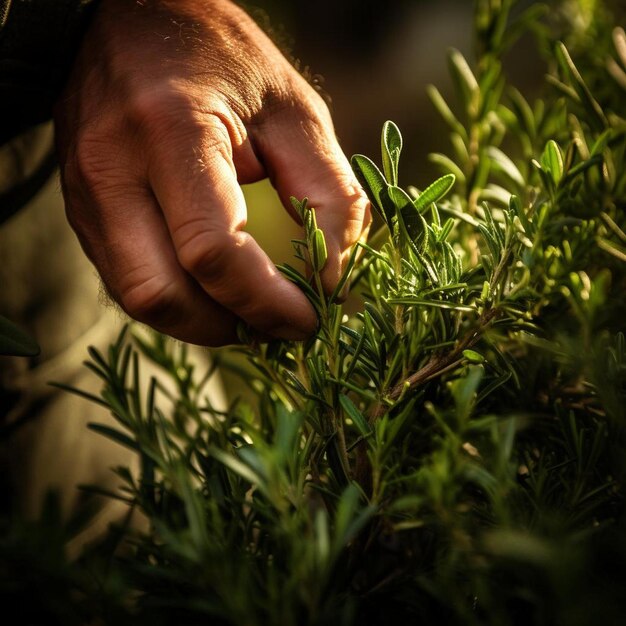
170 106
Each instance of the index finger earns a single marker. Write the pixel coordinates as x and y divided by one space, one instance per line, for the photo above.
194 180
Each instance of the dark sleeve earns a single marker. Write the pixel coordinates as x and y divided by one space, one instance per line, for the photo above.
38 41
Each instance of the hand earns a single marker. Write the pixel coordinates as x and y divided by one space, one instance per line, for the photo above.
171 105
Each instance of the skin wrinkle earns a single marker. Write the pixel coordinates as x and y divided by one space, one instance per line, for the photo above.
207 230
221 287
152 303
220 283
196 99
227 36
224 35
195 141
200 213
102 178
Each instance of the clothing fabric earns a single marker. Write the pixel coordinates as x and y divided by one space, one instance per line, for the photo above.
49 288
38 42
47 285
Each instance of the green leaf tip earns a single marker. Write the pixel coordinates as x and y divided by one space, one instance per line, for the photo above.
434 192
390 147
14 341
373 183
552 161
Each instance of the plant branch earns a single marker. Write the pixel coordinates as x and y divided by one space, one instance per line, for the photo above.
437 364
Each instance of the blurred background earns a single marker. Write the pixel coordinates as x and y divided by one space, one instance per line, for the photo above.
372 60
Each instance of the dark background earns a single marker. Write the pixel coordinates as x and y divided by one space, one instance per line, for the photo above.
372 61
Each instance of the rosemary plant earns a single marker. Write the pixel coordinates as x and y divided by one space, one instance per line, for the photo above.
456 451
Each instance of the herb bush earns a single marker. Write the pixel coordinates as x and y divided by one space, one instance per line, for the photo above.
454 453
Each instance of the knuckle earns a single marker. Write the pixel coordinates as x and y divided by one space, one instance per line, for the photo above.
169 104
316 108
158 104
150 300
308 104
215 138
171 116
281 99
203 252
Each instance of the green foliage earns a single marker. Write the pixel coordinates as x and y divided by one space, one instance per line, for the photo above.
14 341
456 451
